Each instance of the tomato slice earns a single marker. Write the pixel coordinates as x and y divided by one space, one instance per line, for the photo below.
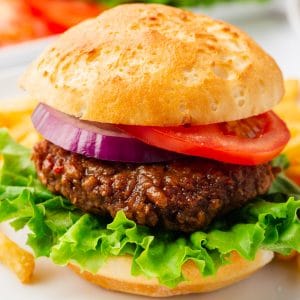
249 141
62 14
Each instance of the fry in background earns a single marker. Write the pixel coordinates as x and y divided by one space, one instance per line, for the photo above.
289 110
16 259
15 115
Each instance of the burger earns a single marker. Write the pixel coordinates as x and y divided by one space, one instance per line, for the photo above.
157 172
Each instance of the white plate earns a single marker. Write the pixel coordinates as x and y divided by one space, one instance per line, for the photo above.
277 281
23 53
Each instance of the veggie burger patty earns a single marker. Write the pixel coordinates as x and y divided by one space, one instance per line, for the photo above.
181 195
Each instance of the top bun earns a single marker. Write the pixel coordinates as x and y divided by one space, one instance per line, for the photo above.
149 64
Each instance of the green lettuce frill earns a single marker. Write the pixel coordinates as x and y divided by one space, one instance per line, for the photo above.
60 231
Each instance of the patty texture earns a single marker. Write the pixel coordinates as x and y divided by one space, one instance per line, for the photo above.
182 195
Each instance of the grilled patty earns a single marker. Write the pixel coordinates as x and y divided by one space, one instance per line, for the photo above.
182 195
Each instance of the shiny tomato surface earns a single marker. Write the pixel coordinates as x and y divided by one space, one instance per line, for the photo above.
250 141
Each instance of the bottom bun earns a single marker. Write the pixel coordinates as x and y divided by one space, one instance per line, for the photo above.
115 275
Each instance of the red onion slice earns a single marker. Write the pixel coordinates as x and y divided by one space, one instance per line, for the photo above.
92 139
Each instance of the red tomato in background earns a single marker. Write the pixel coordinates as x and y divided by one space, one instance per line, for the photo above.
18 24
62 14
22 20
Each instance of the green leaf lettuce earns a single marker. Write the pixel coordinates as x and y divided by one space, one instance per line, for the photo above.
60 231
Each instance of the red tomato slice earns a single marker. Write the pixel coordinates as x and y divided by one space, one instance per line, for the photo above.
62 14
249 141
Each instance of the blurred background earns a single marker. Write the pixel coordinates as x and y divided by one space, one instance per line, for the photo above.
275 24
22 20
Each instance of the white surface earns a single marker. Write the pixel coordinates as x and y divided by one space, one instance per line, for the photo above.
13 61
22 53
277 281
277 38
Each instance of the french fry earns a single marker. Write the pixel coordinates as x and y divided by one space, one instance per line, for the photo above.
289 110
20 104
292 89
13 110
15 115
19 130
30 139
16 259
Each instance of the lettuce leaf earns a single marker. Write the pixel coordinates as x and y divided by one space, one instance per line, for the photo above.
60 231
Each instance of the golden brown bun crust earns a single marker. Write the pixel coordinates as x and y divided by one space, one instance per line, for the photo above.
115 275
149 64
